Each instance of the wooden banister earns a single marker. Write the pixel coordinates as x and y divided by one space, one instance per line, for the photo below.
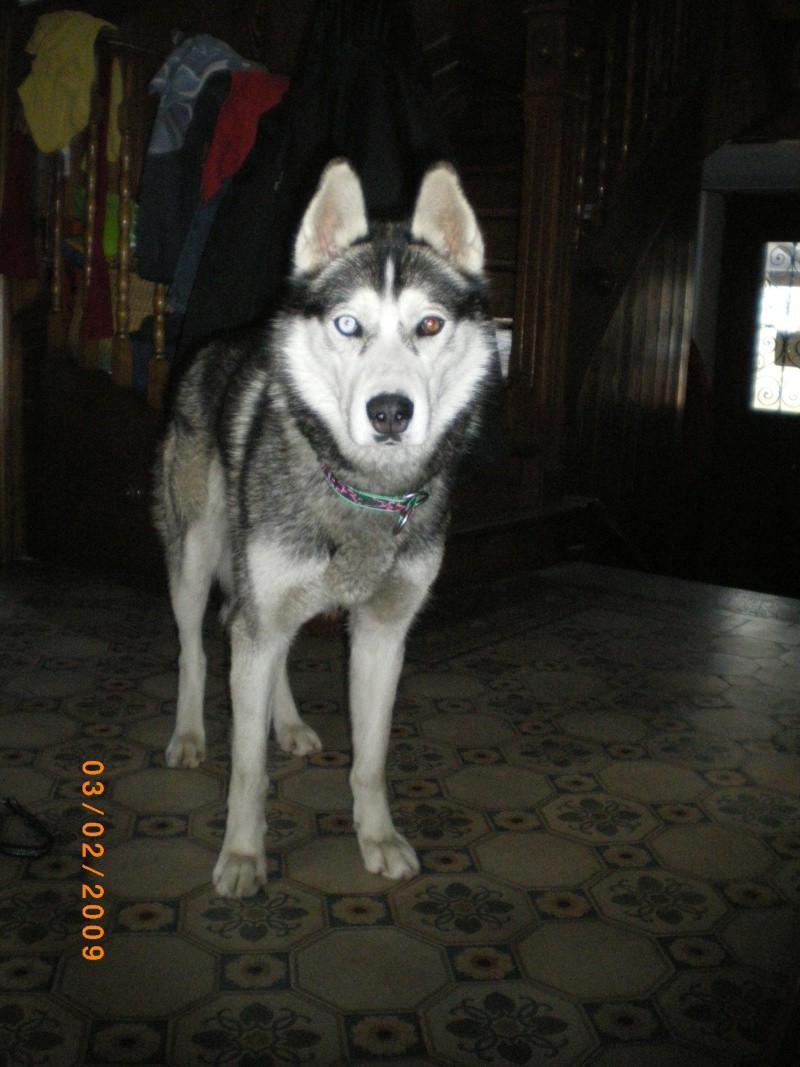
122 363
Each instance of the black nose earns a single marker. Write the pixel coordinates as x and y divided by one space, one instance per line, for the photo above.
390 413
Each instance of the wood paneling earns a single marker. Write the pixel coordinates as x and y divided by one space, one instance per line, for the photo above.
626 433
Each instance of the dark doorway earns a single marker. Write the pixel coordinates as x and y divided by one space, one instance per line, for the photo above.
753 506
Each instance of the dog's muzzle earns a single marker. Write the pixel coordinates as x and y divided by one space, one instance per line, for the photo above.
390 414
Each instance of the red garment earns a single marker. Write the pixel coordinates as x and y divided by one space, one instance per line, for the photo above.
98 322
17 245
252 92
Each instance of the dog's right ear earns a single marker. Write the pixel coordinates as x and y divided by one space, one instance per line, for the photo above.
335 218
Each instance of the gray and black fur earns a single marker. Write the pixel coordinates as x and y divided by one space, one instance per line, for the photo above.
241 497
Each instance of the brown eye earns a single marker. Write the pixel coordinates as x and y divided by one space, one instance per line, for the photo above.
430 326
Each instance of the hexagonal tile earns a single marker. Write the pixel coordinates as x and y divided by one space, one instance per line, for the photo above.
716 853
437 823
461 909
152 868
774 770
732 1010
696 749
599 817
507 1022
414 757
126 706
35 729
537 860
756 809
167 789
735 723
445 684
286 826
185 973
277 917
162 687
39 684
603 725
28 786
764 939
567 686
555 754
786 880
386 969
658 902
37 1029
128 1042
497 787
652 781
117 756
333 865
594 960
40 916
318 788
465 730
241 1027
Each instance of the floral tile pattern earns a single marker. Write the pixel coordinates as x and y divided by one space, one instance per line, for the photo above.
600 772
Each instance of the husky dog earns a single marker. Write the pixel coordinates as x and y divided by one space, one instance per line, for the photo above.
308 467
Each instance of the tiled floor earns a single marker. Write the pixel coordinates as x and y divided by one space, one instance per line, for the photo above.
601 773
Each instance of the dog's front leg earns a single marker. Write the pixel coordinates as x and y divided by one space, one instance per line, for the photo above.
255 665
378 635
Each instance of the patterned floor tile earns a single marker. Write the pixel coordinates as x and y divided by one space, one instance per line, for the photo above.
512 1023
593 960
244 1028
386 969
38 1030
123 985
462 909
659 902
276 918
600 771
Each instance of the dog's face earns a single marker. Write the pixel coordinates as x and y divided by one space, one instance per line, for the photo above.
389 340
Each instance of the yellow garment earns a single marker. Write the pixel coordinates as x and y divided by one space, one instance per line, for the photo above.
56 95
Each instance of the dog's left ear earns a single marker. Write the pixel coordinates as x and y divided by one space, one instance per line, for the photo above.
444 219
335 218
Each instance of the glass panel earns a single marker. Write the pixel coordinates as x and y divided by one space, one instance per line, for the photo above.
776 351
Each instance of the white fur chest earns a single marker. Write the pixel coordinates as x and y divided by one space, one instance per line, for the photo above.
288 590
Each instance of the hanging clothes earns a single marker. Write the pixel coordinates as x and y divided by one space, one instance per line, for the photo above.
192 84
361 91
169 190
252 92
56 95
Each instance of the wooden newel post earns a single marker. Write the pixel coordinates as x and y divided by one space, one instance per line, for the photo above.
87 350
554 109
122 359
158 367
56 331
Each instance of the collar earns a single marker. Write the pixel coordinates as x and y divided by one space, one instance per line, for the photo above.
402 505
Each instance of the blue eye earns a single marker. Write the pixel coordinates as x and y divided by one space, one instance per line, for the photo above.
348 326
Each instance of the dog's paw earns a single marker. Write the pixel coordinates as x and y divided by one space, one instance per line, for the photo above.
185 750
298 739
237 875
391 856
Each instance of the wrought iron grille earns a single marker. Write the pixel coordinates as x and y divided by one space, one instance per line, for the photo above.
775 384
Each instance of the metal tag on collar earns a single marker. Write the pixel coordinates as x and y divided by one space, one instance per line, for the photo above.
410 501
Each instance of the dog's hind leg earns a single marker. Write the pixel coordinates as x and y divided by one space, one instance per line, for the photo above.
292 733
378 633
190 582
